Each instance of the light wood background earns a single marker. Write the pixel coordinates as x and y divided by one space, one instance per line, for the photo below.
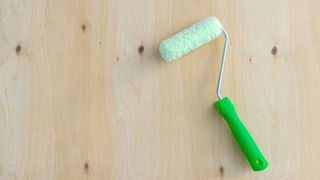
84 93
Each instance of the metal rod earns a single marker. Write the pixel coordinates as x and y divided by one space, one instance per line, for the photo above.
223 59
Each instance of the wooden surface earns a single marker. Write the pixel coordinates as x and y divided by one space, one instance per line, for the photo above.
84 93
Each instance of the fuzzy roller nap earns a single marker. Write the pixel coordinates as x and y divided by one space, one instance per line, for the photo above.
192 38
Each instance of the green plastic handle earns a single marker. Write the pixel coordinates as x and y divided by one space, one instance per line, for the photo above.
241 134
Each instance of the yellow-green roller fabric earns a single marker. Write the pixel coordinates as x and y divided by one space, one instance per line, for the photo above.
191 38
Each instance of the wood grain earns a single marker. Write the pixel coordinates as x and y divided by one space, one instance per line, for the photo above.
84 93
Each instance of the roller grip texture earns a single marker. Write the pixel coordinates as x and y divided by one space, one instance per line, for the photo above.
241 134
